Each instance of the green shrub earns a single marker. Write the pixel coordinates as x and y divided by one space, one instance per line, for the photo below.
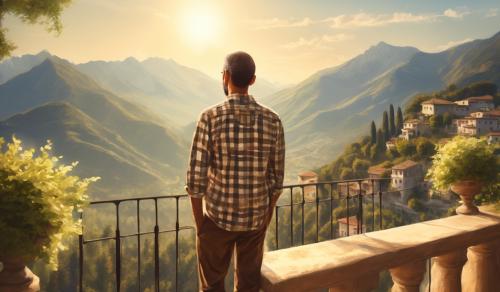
37 202
464 159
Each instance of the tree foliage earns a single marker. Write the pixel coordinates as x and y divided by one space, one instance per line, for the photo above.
373 132
392 122
425 148
46 12
406 148
385 126
399 121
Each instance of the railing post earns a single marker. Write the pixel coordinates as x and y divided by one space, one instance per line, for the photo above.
157 249
138 244
360 210
302 207
276 226
118 250
481 272
364 283
447 270
80 257
317 214
331 211
291 216
176 243
347 211
407 278
373 205
380 205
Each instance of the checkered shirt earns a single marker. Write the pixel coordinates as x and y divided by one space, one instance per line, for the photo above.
237 162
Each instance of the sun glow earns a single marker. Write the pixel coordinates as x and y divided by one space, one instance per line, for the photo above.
201 25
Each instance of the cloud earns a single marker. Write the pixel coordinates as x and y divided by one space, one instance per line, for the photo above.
361 19
452 13
264 24
452 44
492 12
372 20
317 42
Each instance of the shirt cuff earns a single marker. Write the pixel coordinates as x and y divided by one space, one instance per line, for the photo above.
277 193
193 195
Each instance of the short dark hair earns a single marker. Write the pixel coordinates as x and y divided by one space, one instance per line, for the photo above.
241 68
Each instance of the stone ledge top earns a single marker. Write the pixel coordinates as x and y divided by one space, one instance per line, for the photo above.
324 264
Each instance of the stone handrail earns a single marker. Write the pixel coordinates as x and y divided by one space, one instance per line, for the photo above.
465 249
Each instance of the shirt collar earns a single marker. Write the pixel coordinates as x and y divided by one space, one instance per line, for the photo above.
241 98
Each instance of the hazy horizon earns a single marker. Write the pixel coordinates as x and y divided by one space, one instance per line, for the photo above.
289 44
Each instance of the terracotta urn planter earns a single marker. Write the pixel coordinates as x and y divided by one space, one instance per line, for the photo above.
15 276
467 189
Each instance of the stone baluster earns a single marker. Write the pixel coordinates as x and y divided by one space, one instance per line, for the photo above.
364 283
407 278
481 272
447 270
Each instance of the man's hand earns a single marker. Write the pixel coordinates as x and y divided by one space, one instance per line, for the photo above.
270 211
197 206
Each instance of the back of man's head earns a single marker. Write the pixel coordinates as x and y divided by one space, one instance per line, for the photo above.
241 68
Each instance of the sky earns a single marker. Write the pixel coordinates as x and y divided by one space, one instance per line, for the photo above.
289 39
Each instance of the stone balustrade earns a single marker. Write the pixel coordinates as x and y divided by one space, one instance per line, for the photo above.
465 251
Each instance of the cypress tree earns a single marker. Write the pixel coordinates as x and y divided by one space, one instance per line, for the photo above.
385 126
392 125
380 141
399 120
373 133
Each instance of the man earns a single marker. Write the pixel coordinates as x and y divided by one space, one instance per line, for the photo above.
236 166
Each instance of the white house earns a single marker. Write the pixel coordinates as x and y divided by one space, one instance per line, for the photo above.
437 106
414 128
478 124
406 175
352 226
307 177
477 103
461 110
391 144
493 137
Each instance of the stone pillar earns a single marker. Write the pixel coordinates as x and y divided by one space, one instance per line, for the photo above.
407 278
447 270
365 283
481 272
16 277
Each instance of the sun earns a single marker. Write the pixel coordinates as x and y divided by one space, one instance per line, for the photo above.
201 24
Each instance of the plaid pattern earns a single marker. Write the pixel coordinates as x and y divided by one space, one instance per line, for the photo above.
237 162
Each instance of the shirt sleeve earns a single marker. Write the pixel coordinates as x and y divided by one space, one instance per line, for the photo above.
277 162
199 161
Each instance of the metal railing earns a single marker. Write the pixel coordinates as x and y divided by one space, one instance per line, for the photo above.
360 191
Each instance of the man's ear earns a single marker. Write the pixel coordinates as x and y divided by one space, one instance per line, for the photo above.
226 77
252 81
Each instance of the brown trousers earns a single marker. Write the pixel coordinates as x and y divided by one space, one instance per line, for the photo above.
215 246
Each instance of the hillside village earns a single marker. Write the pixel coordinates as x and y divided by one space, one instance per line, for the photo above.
402 148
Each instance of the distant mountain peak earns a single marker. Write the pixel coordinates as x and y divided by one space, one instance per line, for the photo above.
131 60
383 47
383 44
44 54
61 69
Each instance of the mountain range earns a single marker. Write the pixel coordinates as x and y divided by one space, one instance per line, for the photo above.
131 121
166 87
132 149
334 106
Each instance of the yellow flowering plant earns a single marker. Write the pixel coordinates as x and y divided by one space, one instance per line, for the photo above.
39 202
464 158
